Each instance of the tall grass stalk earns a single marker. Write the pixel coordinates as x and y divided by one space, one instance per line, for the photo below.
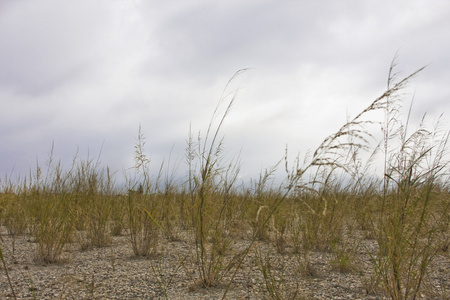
210 188
142 230
407 227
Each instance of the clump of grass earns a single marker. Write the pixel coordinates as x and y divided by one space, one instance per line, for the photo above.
280 228
52 227
92 203
143 232
407 226
344 258
321 220
14 214
211 190
173 198
364 206
407 230
262 194
51 217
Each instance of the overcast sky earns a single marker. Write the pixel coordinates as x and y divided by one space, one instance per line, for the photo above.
84 74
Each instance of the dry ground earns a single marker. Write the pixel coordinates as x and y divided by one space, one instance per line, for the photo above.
114 273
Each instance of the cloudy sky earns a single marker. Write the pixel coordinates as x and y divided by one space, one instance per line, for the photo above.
85 74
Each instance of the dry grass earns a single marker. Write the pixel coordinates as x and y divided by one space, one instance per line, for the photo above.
313 209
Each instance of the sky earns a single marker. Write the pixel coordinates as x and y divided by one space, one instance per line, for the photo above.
84 75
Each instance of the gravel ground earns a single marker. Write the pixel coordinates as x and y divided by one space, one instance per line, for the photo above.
114 273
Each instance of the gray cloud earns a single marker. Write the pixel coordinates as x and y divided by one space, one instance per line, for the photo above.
84 74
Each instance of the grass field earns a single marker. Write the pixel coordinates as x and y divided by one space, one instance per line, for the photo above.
327 203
